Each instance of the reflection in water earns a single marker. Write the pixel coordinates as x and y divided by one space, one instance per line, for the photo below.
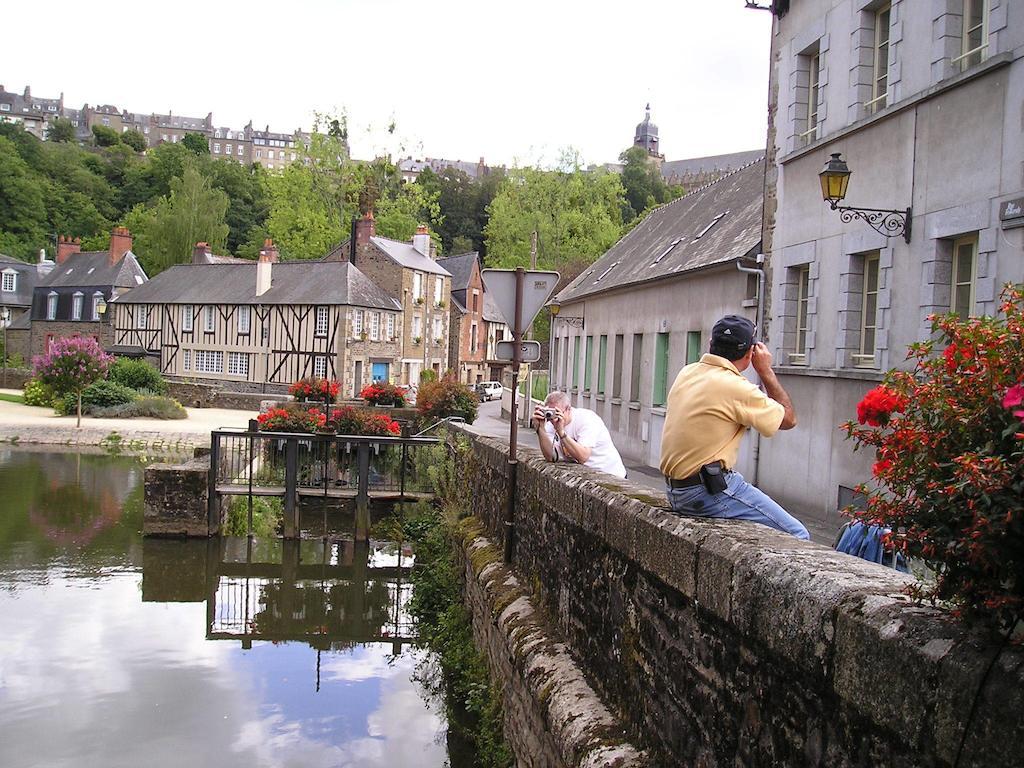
315 671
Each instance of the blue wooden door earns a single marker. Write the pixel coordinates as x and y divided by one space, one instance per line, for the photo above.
380 371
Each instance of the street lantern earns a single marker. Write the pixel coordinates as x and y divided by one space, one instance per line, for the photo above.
101 307
835 178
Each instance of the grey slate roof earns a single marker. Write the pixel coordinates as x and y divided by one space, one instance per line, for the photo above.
714 224
28 276
460 268
713 163
93 268
291 282
405 255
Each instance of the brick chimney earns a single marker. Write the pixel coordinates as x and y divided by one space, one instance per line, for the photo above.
268 255
421 240
270 251
200 252
66 246
120 244
366 228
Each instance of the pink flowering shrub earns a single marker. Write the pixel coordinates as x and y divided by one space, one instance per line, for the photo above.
70 365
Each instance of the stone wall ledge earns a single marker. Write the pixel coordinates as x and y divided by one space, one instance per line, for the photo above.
535 670
861 667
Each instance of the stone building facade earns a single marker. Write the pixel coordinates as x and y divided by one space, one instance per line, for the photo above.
922 100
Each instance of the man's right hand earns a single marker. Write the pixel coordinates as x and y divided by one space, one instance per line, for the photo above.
537 420
761 359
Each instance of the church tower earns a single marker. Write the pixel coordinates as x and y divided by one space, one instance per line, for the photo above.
647 137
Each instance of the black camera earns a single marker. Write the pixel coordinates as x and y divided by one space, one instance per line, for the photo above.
550 413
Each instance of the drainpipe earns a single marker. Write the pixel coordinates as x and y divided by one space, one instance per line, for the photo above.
759 315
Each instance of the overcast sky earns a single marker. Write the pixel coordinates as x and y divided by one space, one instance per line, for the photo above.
508 81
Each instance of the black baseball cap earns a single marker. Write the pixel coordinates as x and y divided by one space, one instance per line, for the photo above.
733 331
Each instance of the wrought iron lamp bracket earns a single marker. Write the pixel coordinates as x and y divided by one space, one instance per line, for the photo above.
574 322
883 221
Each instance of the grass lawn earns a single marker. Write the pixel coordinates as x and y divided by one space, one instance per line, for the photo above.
12 398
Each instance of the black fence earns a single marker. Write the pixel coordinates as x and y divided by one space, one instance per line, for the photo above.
292 465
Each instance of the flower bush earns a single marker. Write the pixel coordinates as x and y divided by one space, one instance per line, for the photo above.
314 388
137 374
37 393
71 365
383 393
292 419
948 437
446 397
353 421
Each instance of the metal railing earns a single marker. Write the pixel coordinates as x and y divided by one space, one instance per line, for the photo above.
290 465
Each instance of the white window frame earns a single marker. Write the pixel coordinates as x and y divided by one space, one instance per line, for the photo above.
141 315
438 329
77 303
472 337
417 285
374 326
970 57
958 279
10 281
357 323
813 88
209 361
186 359
244 320
320 366
880 61
803 284
438 290
391 326
209 318
216 148
51 305
238 364
187 318
97 297
865 357
240 150
417 325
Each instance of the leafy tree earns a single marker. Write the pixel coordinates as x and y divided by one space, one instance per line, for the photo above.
248 191
22 209
134 139
61 130
642 182
71 365
105 136
576 214
196 143
192 212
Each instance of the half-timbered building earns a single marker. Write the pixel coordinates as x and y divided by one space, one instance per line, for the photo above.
264 323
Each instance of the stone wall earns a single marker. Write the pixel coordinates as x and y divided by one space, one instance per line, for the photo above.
176 499
194 395
726 643
15 378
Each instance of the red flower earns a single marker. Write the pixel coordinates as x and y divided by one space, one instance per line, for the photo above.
1015 396
878 405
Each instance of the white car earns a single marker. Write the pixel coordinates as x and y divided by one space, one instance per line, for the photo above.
489 390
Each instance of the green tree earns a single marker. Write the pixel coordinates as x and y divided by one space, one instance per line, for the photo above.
135 140
196 143
248 191
105 136
192 212
576 214
642 182
22 209
61 130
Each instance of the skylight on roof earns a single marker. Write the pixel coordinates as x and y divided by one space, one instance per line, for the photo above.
605 273
668 250
707 229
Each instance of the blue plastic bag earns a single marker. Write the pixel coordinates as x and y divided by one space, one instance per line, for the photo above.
865 542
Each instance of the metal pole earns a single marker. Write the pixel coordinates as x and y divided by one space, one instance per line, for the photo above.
291 472
212 508
513 432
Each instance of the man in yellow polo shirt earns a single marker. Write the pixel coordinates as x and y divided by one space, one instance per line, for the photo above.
710 406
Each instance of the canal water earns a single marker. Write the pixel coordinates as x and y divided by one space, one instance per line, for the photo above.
120 651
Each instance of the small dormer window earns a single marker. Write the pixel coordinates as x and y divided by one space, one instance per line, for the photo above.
10 281
97 297
76 305
51 305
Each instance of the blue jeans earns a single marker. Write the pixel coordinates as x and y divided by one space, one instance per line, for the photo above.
739 501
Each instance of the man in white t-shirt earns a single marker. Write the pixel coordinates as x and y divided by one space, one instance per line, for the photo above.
575 434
